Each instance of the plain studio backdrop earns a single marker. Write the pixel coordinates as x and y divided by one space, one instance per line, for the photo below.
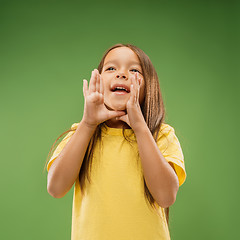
48 47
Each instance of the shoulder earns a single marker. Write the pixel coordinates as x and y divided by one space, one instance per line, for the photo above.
69 134
170 147
71 131
167 135
62 144
74 126
166 128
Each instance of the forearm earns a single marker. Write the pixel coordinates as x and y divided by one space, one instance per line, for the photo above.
65 168
160 177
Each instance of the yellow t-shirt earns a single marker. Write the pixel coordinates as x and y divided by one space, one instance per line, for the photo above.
114 206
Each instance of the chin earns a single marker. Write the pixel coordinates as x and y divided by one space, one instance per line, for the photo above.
120 108
116 107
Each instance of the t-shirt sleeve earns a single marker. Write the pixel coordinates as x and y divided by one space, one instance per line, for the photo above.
170 148
59 148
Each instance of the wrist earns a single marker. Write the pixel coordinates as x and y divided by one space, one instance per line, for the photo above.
141 128
89 126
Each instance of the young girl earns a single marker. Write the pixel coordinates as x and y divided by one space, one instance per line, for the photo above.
126 163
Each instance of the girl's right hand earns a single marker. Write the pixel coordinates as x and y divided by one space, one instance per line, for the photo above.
95 111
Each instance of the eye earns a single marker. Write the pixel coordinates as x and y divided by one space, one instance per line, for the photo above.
110 69
135 70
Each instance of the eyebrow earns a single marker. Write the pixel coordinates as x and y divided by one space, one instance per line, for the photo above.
115 61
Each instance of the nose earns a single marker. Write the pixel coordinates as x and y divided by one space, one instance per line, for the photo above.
121 75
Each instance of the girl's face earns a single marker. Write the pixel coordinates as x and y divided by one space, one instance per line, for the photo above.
119 68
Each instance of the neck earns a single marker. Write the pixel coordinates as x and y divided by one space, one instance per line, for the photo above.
113 123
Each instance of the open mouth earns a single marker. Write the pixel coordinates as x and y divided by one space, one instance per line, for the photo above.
121 89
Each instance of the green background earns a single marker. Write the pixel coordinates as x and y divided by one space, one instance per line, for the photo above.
48 47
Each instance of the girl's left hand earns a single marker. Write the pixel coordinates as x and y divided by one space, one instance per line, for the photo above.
134 117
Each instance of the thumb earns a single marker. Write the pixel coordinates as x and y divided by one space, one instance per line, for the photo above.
125 119
115 114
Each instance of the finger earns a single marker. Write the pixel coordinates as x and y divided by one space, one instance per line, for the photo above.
132 96
134 79
135 86
114 114
85 87
138 87
101 85
138 93
92 84
139 79
124 118
131 99
97 81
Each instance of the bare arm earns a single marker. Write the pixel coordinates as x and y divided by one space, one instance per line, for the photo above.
65 169
160 177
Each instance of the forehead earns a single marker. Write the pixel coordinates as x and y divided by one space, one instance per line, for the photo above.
121 54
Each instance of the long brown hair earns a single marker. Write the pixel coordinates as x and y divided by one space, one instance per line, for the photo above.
153 111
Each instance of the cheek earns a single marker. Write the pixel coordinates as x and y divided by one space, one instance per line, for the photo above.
104 81
104 86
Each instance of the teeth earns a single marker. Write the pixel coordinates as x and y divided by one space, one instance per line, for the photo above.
121 88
